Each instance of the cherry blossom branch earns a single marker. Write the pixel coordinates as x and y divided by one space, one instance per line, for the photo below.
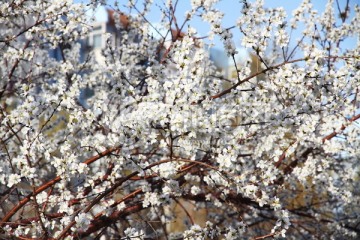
252 76
269 69
107 221
343 127
117 184
324 139
50 183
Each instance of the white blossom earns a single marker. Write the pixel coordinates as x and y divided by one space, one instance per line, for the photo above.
136 129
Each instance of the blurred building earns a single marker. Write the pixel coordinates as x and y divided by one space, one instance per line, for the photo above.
106 22
96 41
107 25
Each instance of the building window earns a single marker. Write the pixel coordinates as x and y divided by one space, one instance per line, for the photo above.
97 40
96 28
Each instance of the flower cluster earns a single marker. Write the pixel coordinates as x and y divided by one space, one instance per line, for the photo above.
138 138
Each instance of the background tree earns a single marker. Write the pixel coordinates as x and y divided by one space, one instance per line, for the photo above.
156 133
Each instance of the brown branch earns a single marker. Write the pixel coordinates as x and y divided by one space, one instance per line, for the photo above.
330 136
117 184
45 186
252 76
104 221
326 138
269 69
186 212
264 236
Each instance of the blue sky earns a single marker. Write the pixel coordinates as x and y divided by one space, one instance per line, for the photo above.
231 9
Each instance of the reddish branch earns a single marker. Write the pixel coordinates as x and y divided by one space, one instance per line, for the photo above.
271 235
117 184
105 221
45 186
328 137
29 221
252 76
269 69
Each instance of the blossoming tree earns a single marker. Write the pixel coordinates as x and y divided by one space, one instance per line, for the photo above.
275 154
